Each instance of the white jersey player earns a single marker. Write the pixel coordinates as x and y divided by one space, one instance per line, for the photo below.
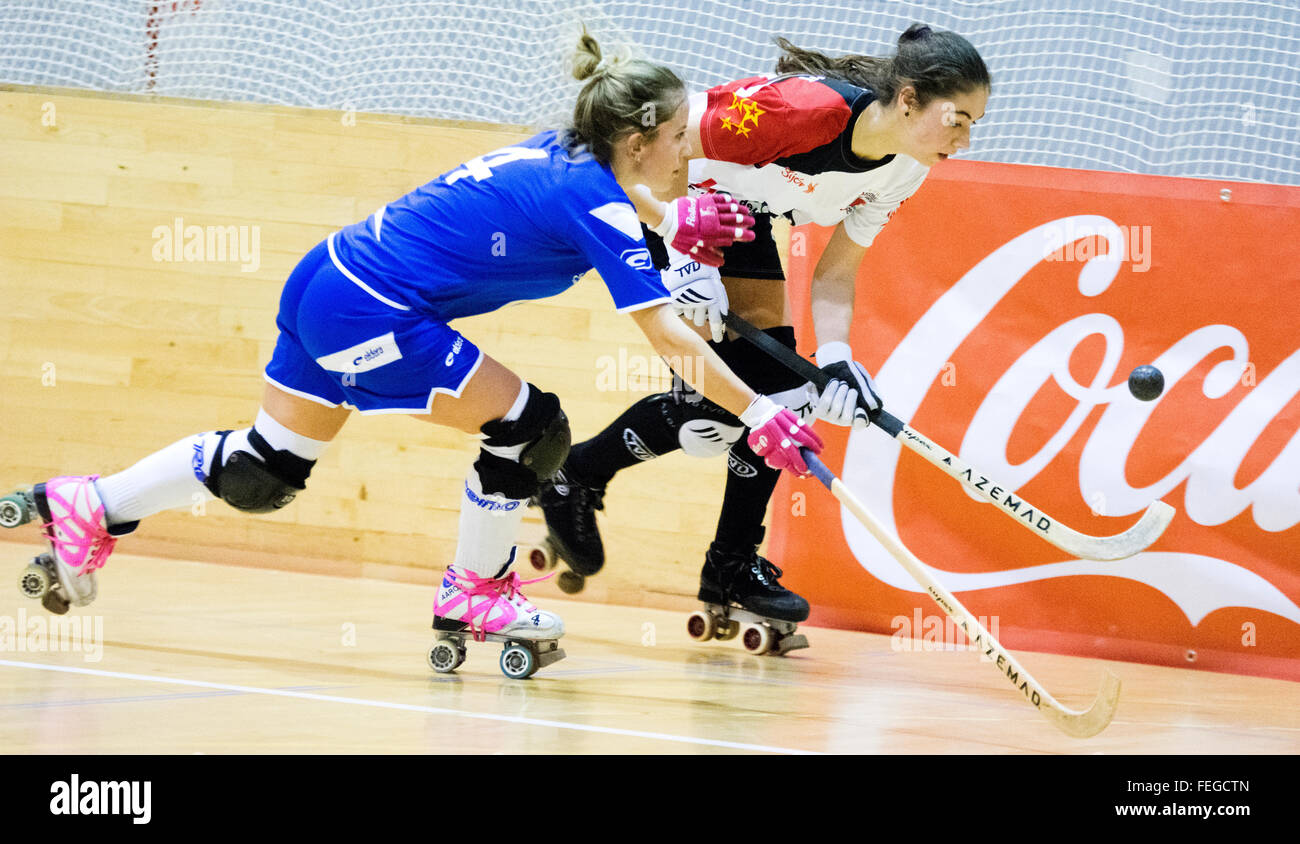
839 142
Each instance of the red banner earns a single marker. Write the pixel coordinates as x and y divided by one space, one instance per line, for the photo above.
1001 311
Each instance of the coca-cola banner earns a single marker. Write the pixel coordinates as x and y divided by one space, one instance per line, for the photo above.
1001 312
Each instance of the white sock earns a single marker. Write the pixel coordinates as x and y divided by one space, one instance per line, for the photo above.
488 526
168 479
281 438
164 480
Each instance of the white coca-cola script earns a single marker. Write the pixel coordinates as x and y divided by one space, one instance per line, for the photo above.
1197 583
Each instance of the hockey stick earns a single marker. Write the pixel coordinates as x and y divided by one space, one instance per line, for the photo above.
1138 537
1071 722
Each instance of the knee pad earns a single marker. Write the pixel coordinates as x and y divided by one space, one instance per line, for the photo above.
703 428
260 481
518 455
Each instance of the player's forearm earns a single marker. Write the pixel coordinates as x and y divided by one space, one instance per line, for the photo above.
832 306
693 358
832 289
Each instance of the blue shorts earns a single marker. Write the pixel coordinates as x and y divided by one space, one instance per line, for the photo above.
342 343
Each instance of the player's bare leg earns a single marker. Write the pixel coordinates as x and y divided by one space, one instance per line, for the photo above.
257 469
527 437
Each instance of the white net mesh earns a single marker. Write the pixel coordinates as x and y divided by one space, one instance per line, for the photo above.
1203 88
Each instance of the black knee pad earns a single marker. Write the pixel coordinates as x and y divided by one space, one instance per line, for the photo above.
259 482
543 430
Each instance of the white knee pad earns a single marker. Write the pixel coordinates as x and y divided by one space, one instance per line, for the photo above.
707 437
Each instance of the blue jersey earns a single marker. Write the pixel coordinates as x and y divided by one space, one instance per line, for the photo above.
523 222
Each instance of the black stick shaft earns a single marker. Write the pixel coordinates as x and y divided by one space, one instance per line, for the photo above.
802 367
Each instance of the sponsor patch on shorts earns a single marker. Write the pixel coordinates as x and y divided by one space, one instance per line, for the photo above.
363 357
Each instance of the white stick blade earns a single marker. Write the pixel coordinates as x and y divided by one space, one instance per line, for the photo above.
1139 537
1087 724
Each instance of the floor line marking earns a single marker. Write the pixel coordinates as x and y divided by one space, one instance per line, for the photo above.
407 707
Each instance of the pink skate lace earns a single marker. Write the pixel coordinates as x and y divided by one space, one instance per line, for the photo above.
492 591
87 543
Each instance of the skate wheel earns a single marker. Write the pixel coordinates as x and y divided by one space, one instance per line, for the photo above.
445 657
53 602
727 631
542 556
700 626
571 583
518 662
13 511
35 581
757 639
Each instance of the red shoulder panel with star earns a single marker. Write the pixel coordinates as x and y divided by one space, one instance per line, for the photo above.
758 120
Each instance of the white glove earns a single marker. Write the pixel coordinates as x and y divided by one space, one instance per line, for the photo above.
850 398
697 291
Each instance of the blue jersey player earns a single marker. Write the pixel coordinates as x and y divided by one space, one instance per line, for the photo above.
363 326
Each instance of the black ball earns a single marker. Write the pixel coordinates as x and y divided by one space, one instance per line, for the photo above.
1146 382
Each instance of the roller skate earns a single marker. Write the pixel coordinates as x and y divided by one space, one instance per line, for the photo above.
739 587
79 540
572 536
492 610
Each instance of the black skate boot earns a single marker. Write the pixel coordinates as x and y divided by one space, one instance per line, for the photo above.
569 508
737 585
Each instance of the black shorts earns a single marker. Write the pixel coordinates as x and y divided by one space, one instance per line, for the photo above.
758 258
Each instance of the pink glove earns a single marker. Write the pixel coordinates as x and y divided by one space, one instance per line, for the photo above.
776 434
701 225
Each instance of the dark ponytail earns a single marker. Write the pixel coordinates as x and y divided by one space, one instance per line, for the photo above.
936 63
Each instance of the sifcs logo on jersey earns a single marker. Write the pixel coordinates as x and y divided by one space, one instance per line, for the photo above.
747 110
799 180
638 259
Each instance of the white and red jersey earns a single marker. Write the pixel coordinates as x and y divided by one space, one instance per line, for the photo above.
786 142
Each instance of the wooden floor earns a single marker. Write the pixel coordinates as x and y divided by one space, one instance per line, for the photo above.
197 657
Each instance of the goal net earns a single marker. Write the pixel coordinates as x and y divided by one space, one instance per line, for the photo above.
1198 88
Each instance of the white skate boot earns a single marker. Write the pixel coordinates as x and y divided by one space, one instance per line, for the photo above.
79 540
492 610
